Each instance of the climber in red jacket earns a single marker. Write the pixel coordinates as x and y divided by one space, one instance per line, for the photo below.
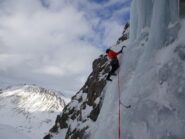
114 61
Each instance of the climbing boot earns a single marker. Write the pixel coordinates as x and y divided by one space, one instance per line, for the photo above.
108 79
114 74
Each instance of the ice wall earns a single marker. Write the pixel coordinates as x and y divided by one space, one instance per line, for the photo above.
152 14
153 73
152 77
139 17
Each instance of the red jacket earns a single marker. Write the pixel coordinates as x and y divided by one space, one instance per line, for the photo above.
112 54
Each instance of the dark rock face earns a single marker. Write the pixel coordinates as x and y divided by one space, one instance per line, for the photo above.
85 105
125 34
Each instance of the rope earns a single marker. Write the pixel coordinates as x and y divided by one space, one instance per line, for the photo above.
119 114
119 103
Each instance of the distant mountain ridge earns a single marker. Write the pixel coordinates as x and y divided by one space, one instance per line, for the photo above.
29 107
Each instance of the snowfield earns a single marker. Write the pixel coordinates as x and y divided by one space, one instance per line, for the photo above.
8 132
30 110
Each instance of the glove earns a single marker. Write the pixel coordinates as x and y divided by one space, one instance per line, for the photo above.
121 51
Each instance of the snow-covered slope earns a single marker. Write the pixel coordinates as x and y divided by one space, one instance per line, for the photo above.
8 132
152 81
30 109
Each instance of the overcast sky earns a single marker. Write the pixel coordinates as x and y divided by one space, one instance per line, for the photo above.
52 43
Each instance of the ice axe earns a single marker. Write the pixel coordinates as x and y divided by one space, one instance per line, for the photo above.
126 106
122 49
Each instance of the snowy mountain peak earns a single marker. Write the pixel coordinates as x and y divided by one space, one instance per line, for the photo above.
28 107
33 98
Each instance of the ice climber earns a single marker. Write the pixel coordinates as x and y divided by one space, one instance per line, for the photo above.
114 61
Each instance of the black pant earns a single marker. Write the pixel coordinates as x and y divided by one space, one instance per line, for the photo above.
114 65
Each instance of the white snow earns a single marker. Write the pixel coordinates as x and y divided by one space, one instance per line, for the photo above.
84 96
86 112
8 132
61 134
29 108
97 100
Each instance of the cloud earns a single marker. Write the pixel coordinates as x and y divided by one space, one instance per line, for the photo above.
53 42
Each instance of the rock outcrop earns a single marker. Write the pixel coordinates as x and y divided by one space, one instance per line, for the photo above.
125 34
85 105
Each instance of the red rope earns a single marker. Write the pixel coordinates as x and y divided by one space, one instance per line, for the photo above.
119 114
